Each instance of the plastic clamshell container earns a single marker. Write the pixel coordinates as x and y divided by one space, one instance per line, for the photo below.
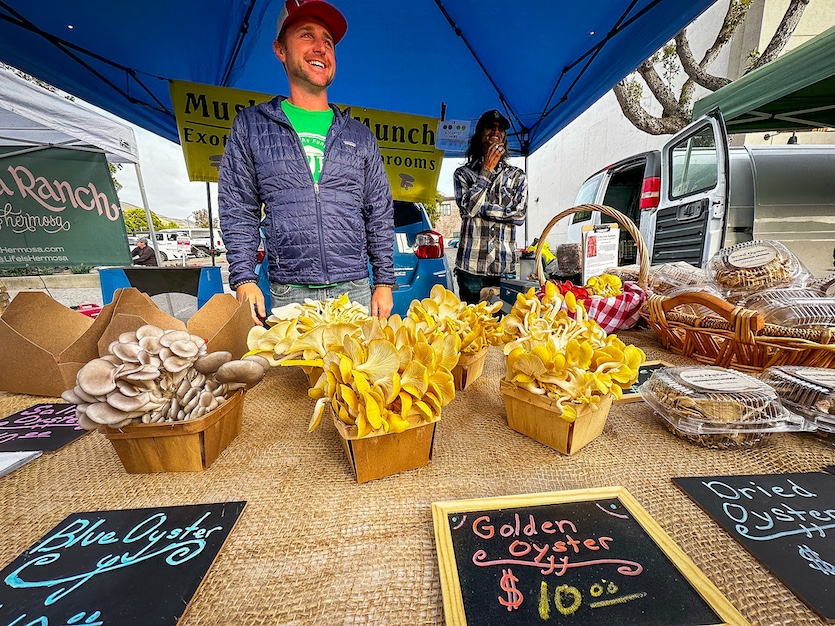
718 407
761 299
745 268
667 278
807 391
801 313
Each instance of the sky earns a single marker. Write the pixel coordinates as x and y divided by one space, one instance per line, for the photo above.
170 192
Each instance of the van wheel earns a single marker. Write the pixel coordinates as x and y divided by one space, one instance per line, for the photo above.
163 256
200 252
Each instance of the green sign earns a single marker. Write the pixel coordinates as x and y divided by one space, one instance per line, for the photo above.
58 207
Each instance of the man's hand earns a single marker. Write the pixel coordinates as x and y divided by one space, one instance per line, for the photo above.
249 292
381 302
492 157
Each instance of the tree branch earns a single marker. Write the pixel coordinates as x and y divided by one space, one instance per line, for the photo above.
659 88
696 70
642 120
784 31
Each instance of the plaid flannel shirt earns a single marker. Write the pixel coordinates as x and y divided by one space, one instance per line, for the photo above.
491 206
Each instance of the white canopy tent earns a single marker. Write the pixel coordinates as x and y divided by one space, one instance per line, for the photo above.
34 118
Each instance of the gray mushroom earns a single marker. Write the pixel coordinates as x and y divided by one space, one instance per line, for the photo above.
128 404
70 396
248 372
128 352
149 330
85 397
96 377
127 337
208 364
184 349
150 344
258 359
171 336
103 413
175 364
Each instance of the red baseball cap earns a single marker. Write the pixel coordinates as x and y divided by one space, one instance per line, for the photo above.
328 14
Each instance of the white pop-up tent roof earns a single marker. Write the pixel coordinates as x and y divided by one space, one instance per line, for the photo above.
33 116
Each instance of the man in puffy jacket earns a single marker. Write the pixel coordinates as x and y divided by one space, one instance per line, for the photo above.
318 174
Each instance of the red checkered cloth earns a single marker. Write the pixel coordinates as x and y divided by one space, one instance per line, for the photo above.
615 313
619 312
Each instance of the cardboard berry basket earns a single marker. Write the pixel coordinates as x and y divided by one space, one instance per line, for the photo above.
538 418
189 446
378 456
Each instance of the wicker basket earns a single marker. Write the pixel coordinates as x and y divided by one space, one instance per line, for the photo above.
620 218
735 337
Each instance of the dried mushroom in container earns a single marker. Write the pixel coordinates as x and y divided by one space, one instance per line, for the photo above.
741 270
717 407
807 391
669 277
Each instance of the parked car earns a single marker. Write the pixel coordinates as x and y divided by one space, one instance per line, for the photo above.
696 195
419 260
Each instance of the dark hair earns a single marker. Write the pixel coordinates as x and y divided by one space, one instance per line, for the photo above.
475 151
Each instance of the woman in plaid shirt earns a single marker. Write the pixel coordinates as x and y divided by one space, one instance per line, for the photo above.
492 197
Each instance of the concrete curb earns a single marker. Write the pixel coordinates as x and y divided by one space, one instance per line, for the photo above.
57 281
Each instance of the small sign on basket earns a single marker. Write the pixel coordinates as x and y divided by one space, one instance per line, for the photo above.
600 249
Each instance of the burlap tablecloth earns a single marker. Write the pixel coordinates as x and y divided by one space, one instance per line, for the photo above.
315 547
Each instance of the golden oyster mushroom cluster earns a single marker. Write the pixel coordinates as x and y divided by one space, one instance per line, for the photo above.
155 375
442 314
306 331
605 286
388 378
572 361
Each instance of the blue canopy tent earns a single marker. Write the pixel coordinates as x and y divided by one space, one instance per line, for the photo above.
542 62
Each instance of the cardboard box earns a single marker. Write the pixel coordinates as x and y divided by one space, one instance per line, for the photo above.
189 446
378 456
468 369
536 417
44 343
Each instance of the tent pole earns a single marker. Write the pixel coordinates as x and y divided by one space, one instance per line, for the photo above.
147 212
211 227
527 213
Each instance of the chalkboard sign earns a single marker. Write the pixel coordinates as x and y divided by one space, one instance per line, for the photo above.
43 427
593 556
117 568
787 521
644 372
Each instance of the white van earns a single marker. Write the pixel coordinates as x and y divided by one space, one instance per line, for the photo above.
167 244
201 240
696 196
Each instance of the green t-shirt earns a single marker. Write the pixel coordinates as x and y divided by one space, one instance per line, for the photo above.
312 128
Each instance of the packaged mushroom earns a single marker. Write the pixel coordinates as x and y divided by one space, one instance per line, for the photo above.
807 391
717 407
153 375
798 307
744 269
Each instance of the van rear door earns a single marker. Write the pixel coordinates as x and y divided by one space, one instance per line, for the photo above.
689 223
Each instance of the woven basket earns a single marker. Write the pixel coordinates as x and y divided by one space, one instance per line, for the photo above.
735 337
620 218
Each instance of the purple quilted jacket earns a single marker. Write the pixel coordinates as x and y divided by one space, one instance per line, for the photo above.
316 234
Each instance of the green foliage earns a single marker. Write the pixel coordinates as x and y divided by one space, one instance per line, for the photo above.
81 269
433 209
114 167
135 221
26 271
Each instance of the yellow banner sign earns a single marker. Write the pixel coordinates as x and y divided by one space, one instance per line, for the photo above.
407 142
